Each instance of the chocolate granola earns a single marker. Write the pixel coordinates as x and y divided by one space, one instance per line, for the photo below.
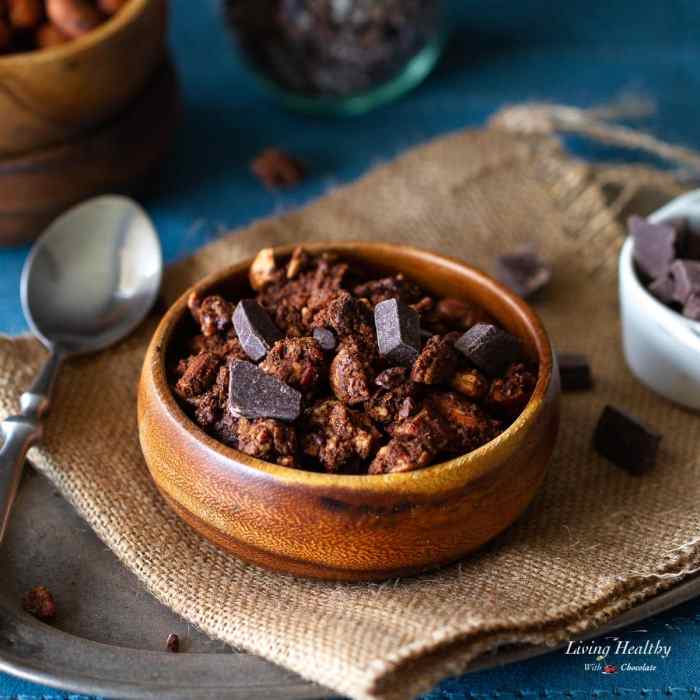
324 367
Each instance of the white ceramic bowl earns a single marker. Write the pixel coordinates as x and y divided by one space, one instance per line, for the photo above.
662 347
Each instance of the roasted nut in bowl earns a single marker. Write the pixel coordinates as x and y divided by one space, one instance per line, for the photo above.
661 346
50 95
347 526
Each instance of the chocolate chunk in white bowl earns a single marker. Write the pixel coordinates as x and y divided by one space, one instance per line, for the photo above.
691 309
686 279
655 245
662 288
489 348
255 329
255 394
398 331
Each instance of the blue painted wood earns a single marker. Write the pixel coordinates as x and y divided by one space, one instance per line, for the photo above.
582 52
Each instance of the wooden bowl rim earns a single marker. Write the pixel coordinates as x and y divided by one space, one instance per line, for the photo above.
471 465
111 26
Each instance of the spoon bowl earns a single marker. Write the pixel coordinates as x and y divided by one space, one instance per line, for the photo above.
92 276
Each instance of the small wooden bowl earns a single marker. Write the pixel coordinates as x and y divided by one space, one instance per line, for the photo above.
119 156
49 96
351 527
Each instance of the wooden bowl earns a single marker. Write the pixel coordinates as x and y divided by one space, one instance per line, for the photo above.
48 96
345 527
120 156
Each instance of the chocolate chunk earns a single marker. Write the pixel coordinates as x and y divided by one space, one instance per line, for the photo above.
686 279
691 309
626 441
489 348
655 245
398 331
524 271
255 394
575 372
691 244
325 339
662 288
255 329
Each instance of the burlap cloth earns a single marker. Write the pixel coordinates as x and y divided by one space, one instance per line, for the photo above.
594 542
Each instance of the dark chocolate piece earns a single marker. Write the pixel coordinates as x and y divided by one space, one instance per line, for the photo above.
489 348
255 394
655 246
689 244
662 288
255 329
691 309
325 338
626 441
686 279
524 271
574 371
398 331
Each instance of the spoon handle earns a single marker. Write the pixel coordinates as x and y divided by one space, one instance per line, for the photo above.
20 432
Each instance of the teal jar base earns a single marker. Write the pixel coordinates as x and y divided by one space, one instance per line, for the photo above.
413 73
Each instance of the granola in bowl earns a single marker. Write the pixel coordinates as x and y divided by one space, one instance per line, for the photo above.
327 367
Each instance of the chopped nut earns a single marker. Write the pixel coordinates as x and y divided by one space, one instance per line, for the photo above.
437 361
213 313
470 426
395 287
40 603
297 263
268 439
470 383
339 436
461 313
401 456
262 271
350 375
391 378
198 376
509 395
295 361
389 405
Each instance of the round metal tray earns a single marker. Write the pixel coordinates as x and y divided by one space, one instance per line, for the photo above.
109 636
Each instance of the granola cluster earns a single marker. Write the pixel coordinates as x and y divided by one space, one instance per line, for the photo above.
348 406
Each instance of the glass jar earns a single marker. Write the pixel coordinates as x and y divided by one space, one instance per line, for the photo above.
338 56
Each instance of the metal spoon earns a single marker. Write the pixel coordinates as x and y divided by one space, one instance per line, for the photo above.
88 282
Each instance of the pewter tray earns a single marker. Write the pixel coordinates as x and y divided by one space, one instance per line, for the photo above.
109 636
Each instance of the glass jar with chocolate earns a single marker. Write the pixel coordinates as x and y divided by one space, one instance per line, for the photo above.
338 56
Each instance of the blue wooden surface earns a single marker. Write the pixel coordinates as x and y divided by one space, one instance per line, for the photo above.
502 51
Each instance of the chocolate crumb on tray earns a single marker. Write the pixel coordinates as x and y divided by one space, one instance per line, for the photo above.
329 368
40 603
172 643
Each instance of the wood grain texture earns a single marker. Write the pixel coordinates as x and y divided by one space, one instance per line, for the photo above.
117 157
48 97
352 527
